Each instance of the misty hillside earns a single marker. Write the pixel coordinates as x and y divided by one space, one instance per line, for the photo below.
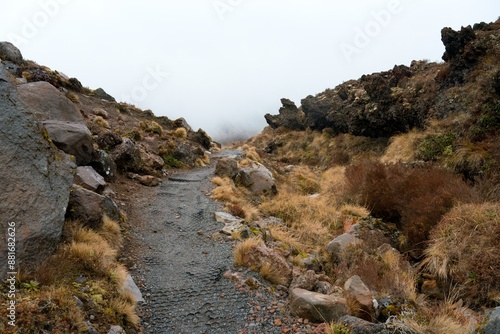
371 207
389 185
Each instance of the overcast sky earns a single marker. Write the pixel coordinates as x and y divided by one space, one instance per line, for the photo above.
224 64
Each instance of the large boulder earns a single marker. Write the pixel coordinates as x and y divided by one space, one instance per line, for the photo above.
289 117
151 162
258 179
9 52
104 165
62 120
89 207
127 156
358 293
89 179
202 138
48 103
317 307
337 246
226 167
186 153
35 179
72 138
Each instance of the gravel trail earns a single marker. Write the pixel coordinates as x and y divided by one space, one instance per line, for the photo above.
180 266
183 265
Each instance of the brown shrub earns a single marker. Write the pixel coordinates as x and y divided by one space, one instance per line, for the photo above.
237 211
464 249
415 198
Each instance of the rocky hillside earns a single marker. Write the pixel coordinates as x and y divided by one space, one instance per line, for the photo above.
386 206
67 152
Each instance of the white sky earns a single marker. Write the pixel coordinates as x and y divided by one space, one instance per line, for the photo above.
229 61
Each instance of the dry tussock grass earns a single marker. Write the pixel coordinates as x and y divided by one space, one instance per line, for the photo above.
463 249
180 133
272 274
243 248
440 318
402 147
234 197
92 254
111 232
286 237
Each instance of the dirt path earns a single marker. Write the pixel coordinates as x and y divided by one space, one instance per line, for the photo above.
182 265
179 265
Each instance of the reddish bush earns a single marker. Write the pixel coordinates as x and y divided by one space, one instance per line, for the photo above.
415 198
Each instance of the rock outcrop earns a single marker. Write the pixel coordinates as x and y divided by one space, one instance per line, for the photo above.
62 120
35 178
289 117
10 53
258 179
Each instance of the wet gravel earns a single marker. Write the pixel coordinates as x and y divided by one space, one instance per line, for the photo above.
185 269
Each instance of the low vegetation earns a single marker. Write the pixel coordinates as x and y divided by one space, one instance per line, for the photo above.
81 279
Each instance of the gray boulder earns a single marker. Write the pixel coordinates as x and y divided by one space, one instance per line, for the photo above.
317 307
151 163
338 245
226 167
89 207
61 118
306 281
360 326
493 323
358 293
72 138
48 103
35 179
258 179
89 179
104 165
9 52
127 156
187 153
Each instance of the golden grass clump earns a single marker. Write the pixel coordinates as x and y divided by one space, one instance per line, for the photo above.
273 274
463 250
285 236
180 133
402 147
151 127
111 232
226 190
245 247
73 97
101 122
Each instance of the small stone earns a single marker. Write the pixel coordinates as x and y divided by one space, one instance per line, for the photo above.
277 322
200 232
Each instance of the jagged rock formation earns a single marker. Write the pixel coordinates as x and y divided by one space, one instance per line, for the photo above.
395 101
